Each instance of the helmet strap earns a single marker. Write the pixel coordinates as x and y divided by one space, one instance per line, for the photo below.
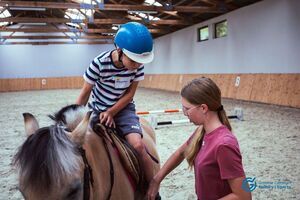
120 55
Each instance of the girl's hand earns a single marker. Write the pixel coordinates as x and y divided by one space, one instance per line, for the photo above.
107 118
153 189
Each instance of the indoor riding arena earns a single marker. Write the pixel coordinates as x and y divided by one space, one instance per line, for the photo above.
249 48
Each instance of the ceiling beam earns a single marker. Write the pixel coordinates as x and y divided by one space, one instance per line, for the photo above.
96 21
160 22
55 42
210 2
108 7
43 37
34 20
2 10
52 30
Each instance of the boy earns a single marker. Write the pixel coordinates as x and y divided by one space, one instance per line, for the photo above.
113 77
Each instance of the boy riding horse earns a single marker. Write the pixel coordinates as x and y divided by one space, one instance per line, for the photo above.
112 78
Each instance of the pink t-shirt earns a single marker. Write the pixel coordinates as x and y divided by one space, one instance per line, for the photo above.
218 160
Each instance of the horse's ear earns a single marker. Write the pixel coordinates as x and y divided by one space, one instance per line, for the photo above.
31 124
78 134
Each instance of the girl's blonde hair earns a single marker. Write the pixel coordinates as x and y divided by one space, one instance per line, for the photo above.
203 91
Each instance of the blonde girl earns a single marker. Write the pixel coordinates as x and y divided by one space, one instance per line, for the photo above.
212 150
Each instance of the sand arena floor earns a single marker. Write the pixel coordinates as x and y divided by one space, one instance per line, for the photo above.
269 139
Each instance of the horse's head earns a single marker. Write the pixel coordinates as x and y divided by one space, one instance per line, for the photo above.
50 160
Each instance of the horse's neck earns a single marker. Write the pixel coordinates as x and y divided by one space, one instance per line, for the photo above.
98 159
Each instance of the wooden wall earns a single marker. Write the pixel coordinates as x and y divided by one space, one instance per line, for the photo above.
21 84
278 89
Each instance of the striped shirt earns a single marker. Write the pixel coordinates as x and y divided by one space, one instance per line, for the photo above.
110 82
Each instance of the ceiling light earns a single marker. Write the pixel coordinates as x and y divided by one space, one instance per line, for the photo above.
34 24
142 11
115 28
27 8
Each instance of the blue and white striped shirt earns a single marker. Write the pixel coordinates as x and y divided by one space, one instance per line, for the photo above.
110 82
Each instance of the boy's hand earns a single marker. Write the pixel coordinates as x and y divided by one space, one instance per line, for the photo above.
107 118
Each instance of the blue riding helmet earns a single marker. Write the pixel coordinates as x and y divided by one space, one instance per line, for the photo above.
135 41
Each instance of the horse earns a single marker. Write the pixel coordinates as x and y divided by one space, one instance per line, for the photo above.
76 159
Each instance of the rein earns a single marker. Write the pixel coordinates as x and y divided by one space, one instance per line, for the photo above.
88 173
87 177
111 166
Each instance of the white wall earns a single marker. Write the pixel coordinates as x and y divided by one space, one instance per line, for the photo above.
262 38
28 61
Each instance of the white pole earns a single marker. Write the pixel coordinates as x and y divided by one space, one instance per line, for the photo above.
158 111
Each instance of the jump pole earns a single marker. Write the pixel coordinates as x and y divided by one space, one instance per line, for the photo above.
158 111
155 124
238 113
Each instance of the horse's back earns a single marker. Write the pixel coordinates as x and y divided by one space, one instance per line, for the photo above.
149 139
104 181
147 129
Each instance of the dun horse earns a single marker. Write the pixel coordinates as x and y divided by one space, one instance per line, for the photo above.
78 159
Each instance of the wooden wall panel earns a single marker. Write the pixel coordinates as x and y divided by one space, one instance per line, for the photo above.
294 91
227 84
260 88
35 84
279 89
244 90
7 85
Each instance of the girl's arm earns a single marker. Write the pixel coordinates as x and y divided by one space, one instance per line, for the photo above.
238 193
173 161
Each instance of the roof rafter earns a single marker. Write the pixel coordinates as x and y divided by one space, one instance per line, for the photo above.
53 30
40 37
90 22
96 21
108 7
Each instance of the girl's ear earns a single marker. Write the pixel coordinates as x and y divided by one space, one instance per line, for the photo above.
204 108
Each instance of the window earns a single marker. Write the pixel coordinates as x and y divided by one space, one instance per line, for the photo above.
3 14
203 33
221 29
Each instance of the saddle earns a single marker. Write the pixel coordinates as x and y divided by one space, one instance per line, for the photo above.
127 154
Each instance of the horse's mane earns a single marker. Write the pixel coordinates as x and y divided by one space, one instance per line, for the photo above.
69 116
46 158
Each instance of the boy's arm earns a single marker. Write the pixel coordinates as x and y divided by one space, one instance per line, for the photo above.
84 94
125 100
